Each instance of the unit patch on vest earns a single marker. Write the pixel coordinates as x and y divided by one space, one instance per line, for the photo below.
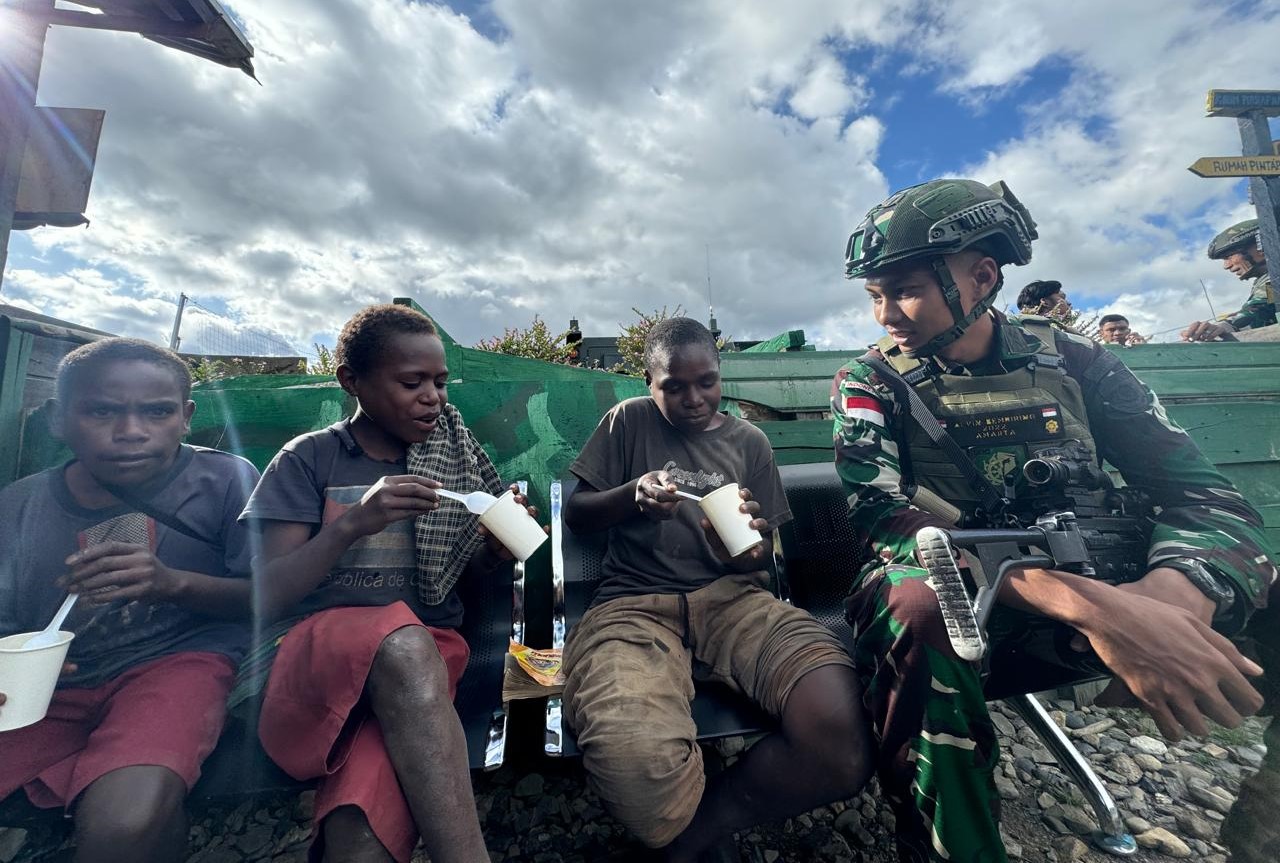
997 464
1019 425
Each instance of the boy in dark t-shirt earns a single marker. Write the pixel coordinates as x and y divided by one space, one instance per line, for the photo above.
671 599
144 529
360 559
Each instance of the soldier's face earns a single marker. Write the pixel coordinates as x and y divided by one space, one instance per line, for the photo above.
1241 263
908 300
1057 303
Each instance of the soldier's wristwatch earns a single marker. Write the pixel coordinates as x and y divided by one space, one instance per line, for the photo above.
1212 585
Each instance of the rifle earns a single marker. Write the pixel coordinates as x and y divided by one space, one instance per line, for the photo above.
1069 517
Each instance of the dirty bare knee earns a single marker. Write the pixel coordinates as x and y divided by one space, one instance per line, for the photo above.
409 661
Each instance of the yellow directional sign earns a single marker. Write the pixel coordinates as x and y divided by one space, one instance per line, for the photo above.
1233 103
1236 166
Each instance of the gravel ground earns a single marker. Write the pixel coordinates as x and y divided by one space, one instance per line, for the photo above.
1173 798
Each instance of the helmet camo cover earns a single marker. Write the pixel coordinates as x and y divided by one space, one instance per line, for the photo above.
1234 239
938 218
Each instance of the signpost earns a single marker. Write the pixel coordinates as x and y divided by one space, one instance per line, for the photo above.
1259 161
1236 166
1237 103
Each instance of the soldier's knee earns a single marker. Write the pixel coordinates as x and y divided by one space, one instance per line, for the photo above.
911 602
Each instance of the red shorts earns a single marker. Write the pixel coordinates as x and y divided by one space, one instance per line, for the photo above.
166 713
316 724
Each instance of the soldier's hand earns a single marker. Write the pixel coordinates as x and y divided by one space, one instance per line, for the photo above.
1178 669
1206 331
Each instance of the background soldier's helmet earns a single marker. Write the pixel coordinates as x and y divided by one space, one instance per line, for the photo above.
1236 238
940 218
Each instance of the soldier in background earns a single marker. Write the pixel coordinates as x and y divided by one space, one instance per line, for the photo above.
1044 298
1241 253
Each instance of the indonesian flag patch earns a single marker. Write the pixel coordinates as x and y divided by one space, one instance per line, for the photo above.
1048 413
865 409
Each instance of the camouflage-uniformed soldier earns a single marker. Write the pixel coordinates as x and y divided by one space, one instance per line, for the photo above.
931 256
1240 252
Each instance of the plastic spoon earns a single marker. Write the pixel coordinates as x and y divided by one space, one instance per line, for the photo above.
476 502
688 495
49 635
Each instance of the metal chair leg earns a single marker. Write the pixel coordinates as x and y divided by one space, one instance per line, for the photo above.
1113 837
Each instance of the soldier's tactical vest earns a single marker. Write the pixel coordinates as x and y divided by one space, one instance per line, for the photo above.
1001 420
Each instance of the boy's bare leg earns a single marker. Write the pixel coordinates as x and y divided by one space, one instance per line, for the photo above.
821 753
348 838
409 692
132 815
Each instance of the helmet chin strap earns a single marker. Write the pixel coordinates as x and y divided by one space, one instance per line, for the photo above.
961 321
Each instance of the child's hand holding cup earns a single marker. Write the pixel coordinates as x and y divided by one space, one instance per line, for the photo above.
732 519
512 523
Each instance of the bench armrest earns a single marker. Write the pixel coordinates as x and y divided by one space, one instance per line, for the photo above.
553 730
495 748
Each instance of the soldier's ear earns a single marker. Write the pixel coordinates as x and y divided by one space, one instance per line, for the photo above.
985 273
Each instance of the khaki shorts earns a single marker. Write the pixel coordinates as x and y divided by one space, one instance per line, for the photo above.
630 665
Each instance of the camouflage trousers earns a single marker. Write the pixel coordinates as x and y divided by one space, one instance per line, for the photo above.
936 744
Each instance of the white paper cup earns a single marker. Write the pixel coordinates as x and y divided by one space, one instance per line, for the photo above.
28 677
513 526
733 525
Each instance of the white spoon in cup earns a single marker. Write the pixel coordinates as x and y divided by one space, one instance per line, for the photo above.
476 502
48 636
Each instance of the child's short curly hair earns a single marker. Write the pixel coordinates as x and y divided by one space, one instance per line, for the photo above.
77 368
667 336
364 336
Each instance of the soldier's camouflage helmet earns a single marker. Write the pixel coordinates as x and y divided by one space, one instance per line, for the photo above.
1234 239
938 218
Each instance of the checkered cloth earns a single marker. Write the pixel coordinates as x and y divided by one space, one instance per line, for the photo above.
447 537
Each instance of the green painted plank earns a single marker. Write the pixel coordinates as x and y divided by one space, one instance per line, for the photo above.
1212 383
1232 432
791 364
793 434
786 395
1205 354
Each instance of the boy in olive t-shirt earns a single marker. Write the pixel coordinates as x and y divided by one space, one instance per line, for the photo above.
671 597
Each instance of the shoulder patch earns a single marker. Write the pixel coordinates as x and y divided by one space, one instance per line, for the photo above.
1120 392
1069 336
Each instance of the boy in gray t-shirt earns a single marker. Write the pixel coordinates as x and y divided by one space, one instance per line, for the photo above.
143 528
671 598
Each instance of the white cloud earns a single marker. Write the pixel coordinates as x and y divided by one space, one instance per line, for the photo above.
583 162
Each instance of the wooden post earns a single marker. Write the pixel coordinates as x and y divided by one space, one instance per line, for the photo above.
1255 139
24 24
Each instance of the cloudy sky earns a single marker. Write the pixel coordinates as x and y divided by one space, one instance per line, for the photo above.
501 159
